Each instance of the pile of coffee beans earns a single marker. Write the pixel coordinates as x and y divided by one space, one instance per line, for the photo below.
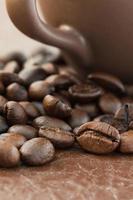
46 105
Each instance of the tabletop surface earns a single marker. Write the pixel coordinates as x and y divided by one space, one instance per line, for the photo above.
73 174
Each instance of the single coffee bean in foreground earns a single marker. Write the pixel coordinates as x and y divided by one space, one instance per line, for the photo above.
13 138
37 151
126 144
59 137
27 131
9 155
15 113
55 107
98 137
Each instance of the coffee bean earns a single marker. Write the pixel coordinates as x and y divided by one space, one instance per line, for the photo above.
90 108
8 78
126 144
2 88
12 67
39 106
16 92
39 89
30 109
37 151
85 92
9 155
55 107
108 81
125 113
27 131
31 75
109 103
51 122
3 125
59 137
77 118
13 138
15 113
3 101
60 81
98 137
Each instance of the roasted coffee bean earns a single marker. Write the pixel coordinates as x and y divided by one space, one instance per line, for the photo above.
98 137
55 107
108 81
50 122
125 113
3 101
30 109
16 92
9 155
2 88
12 67
15 113
126 144
39 89
59 137
39 106
109 103
49 68
120 124
3 125
60 81
13 138
85 92
31 75
77 118
8 78
27 131
63 96
37 151
90 108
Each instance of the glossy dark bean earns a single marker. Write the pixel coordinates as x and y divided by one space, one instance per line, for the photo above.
30 109
12 67
126 145
109 103
31 75
9 155
3 101
60 81
37 151
27 131
51 122
98 137
16 92
108 81
39 89
8 78
15 113
85 92
55 107
77 118
59 137
13 138
3 125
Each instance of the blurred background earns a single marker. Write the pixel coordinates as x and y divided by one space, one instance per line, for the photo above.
10 38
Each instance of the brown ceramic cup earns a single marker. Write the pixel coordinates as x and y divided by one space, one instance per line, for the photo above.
98 33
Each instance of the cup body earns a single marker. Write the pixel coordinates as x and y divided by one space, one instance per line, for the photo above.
107 25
